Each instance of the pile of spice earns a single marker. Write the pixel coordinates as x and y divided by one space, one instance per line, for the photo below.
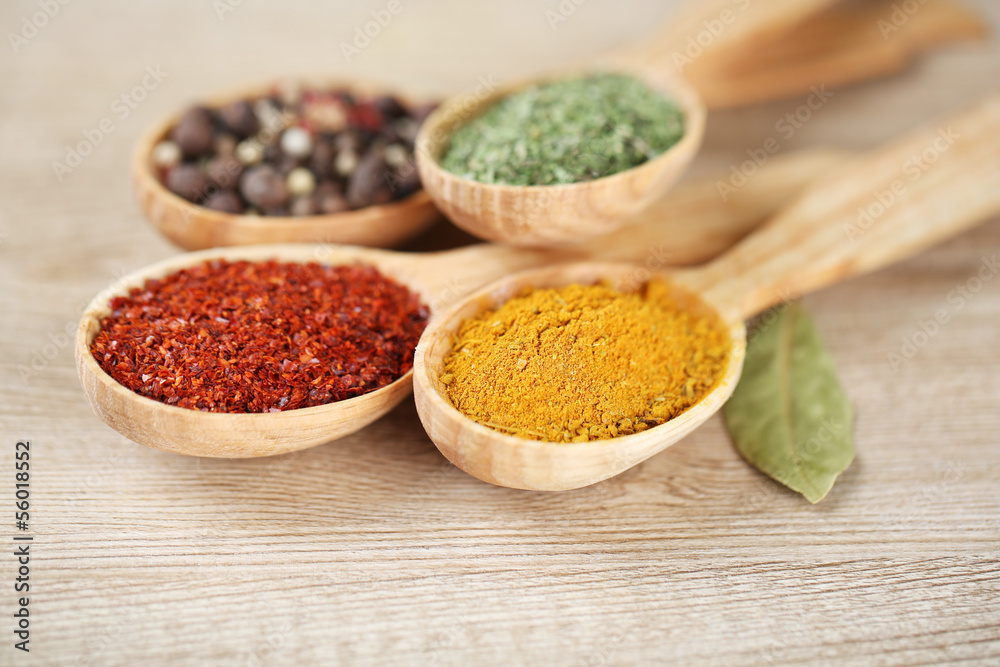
584 363
260 336
564 132
296 152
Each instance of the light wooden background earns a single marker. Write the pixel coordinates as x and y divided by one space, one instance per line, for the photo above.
372 550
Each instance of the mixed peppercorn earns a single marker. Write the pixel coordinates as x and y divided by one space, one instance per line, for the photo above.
295 152
250 337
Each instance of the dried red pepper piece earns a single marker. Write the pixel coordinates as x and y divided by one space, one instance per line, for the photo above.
250 337
365 116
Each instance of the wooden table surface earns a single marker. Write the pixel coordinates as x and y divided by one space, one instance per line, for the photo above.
373 550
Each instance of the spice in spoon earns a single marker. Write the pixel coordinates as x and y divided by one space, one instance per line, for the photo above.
584 363
568 131
298 151
250 337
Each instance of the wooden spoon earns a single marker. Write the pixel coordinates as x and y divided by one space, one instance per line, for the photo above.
877 210
195 227
558 215
716 54
691 225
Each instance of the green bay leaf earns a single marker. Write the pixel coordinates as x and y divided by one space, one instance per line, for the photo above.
789 416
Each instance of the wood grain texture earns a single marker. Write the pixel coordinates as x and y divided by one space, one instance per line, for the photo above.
376 551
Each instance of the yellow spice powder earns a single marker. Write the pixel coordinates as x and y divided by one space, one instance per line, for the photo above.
584 363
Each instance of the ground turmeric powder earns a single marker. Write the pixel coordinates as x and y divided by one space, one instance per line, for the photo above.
583 363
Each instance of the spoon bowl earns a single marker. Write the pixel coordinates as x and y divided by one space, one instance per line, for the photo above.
227 435
507 460
553 215
194 227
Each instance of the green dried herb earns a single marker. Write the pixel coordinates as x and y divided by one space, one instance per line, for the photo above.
789 416
567 131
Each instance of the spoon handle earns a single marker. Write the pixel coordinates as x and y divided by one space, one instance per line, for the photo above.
698 221
878 209
689 225
834 48
715 26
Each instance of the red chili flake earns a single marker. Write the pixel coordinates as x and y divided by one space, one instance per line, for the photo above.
260 336
365 116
